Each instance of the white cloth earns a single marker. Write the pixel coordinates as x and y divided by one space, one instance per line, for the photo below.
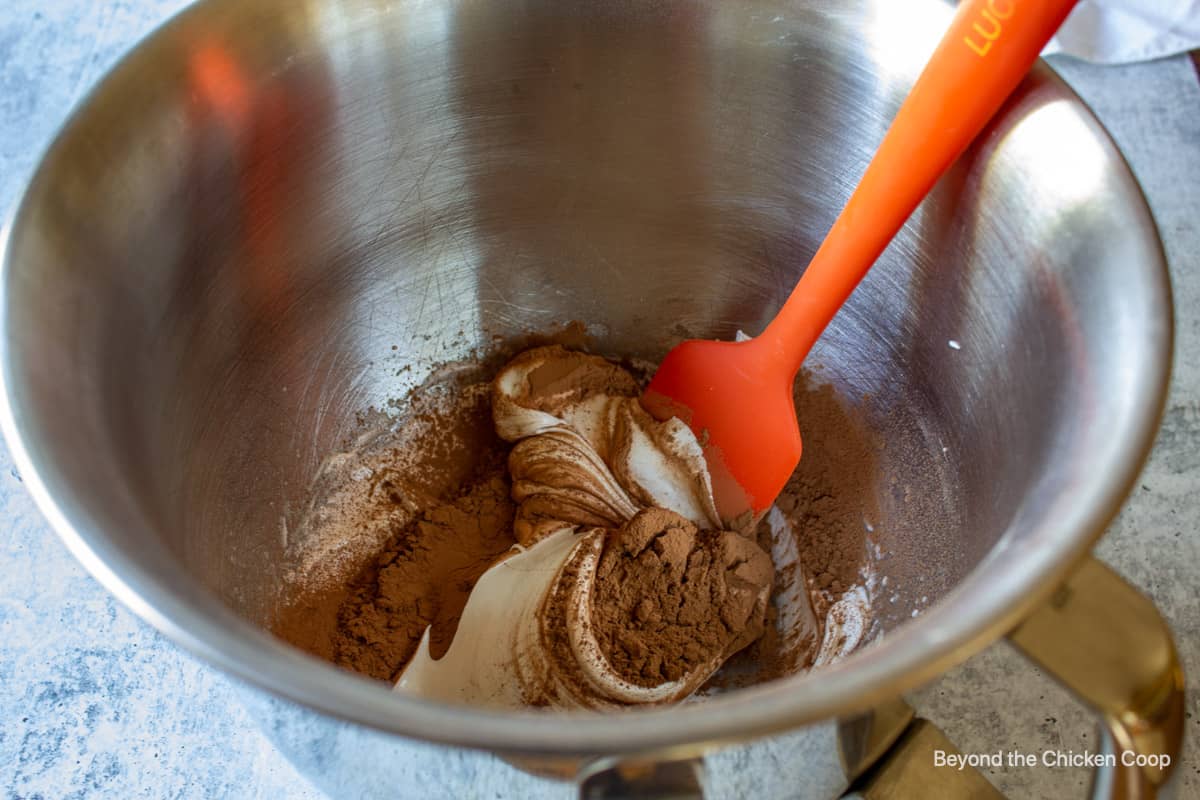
1124 31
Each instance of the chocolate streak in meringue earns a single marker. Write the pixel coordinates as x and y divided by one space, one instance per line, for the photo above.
586 452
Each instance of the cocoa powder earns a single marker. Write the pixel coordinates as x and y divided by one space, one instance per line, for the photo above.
831 498
422 580
670 599
434 510
570 374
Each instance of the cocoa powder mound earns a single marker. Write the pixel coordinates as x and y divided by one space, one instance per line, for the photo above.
670 599
423 580
431 502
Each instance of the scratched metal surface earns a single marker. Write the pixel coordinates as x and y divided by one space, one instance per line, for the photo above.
94 703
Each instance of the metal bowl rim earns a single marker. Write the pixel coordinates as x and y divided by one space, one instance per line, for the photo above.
931 644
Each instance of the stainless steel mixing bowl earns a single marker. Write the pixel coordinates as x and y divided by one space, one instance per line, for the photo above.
271 208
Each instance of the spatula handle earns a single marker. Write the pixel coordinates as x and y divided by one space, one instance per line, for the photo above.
989 47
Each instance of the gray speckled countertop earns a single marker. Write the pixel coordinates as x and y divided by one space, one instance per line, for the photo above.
94 703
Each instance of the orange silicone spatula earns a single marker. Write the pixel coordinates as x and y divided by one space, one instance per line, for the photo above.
737 396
